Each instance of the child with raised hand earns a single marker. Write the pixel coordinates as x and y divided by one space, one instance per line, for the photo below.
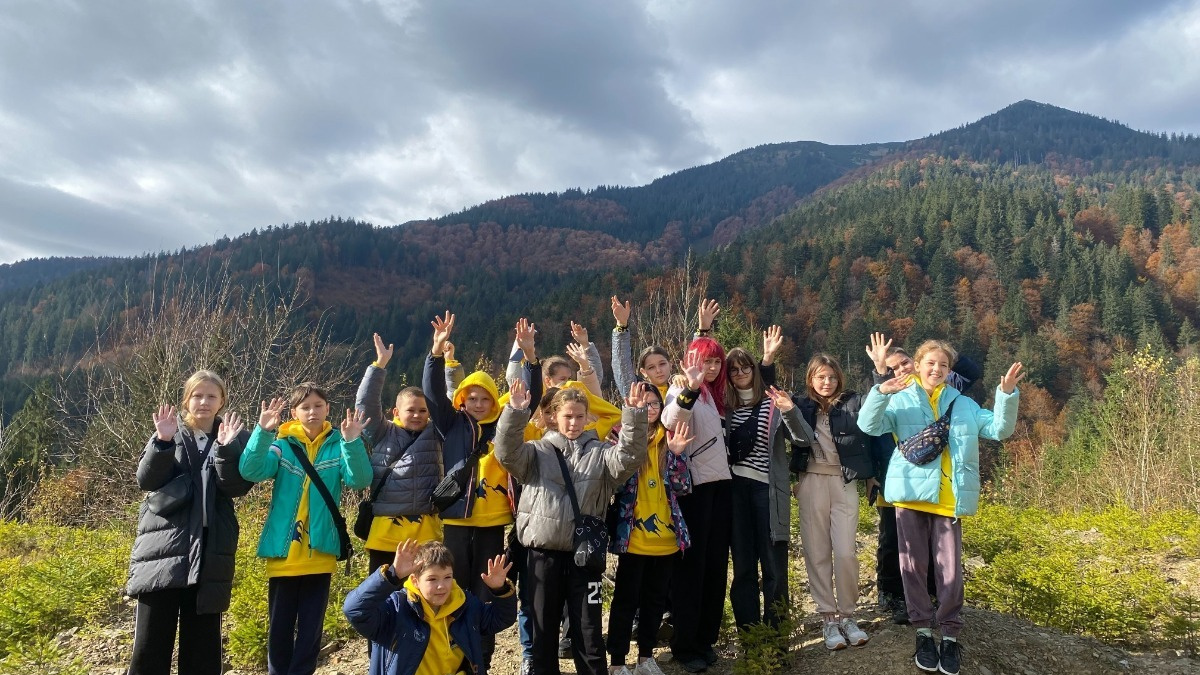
653 363
762 422
932 498
473 527
650 535
546 515
406 462
301 539
423 620
182 564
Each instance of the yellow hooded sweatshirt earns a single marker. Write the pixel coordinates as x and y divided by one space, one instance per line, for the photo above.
442 656
302 558
602 415
492 505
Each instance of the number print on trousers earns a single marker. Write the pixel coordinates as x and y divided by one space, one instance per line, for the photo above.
593 597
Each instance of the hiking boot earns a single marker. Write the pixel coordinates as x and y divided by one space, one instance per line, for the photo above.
834 640
926 655
564 648
949 662
709 655
647 667
854 635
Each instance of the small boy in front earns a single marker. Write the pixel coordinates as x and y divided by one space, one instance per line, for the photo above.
422 621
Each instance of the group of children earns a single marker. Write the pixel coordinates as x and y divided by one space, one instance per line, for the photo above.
695 469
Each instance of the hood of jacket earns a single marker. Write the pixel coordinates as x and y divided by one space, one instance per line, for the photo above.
295 429
479 379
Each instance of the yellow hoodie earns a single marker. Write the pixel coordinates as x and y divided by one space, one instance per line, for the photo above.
602 415
492 506
301 558
442 655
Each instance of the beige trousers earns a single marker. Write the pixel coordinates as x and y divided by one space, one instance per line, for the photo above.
828 523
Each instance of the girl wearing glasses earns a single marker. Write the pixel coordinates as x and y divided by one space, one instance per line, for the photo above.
760 421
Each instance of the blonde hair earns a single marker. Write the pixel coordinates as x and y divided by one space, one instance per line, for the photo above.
190 386
936 346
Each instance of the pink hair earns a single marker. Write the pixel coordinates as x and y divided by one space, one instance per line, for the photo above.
709 348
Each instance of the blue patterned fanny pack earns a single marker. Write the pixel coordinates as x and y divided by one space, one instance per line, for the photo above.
927 444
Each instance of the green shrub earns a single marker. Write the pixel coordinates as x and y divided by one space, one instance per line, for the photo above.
1095 573
54 578
41 655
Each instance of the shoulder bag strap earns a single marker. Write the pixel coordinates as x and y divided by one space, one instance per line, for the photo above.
315 478
386 474
566 472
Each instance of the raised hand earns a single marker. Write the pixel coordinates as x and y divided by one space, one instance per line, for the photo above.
405 560
877 351
526 333
353 425
1008 381
518 395
230 427
497 573
579 333
165 422
772 341
782 400
709 309
383 354
895 384
448 350
620 312
680 437
692 368
271 415
638 395
578 354
442 327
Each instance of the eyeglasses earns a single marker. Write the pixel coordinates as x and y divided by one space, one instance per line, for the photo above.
654 404
744 370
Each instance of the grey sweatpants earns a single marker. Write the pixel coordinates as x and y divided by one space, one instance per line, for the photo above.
926 539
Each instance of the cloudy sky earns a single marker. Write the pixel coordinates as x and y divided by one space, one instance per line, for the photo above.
129 126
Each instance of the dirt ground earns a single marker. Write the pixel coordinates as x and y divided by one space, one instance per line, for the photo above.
993 644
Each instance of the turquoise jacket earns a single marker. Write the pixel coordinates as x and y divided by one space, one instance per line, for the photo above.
907 412
337 462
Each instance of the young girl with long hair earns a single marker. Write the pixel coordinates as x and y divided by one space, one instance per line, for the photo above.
932 498
650 534
181 567
760 422
826 490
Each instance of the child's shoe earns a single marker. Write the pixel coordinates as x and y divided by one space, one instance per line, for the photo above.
834 640
926 655
949 662
647 667
854 635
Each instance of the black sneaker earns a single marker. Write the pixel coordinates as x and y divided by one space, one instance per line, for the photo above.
951 656
709 655
926 655
899 611
564 648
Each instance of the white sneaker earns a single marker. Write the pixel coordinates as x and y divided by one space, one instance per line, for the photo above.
833 637
853 633
624 670
647 667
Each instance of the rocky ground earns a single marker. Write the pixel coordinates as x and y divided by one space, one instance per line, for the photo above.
993 644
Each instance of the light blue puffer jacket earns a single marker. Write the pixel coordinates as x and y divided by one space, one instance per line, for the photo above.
908 411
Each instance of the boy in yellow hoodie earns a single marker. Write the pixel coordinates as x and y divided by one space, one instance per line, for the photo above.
426 623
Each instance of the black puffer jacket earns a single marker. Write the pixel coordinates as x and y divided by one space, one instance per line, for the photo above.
170 550
410 482
853 445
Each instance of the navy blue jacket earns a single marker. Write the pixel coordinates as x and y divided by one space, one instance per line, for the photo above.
381 611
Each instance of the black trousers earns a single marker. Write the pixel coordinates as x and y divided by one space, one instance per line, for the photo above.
760 574
642 585
158 615
296 609
472 548
556 578
701 575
